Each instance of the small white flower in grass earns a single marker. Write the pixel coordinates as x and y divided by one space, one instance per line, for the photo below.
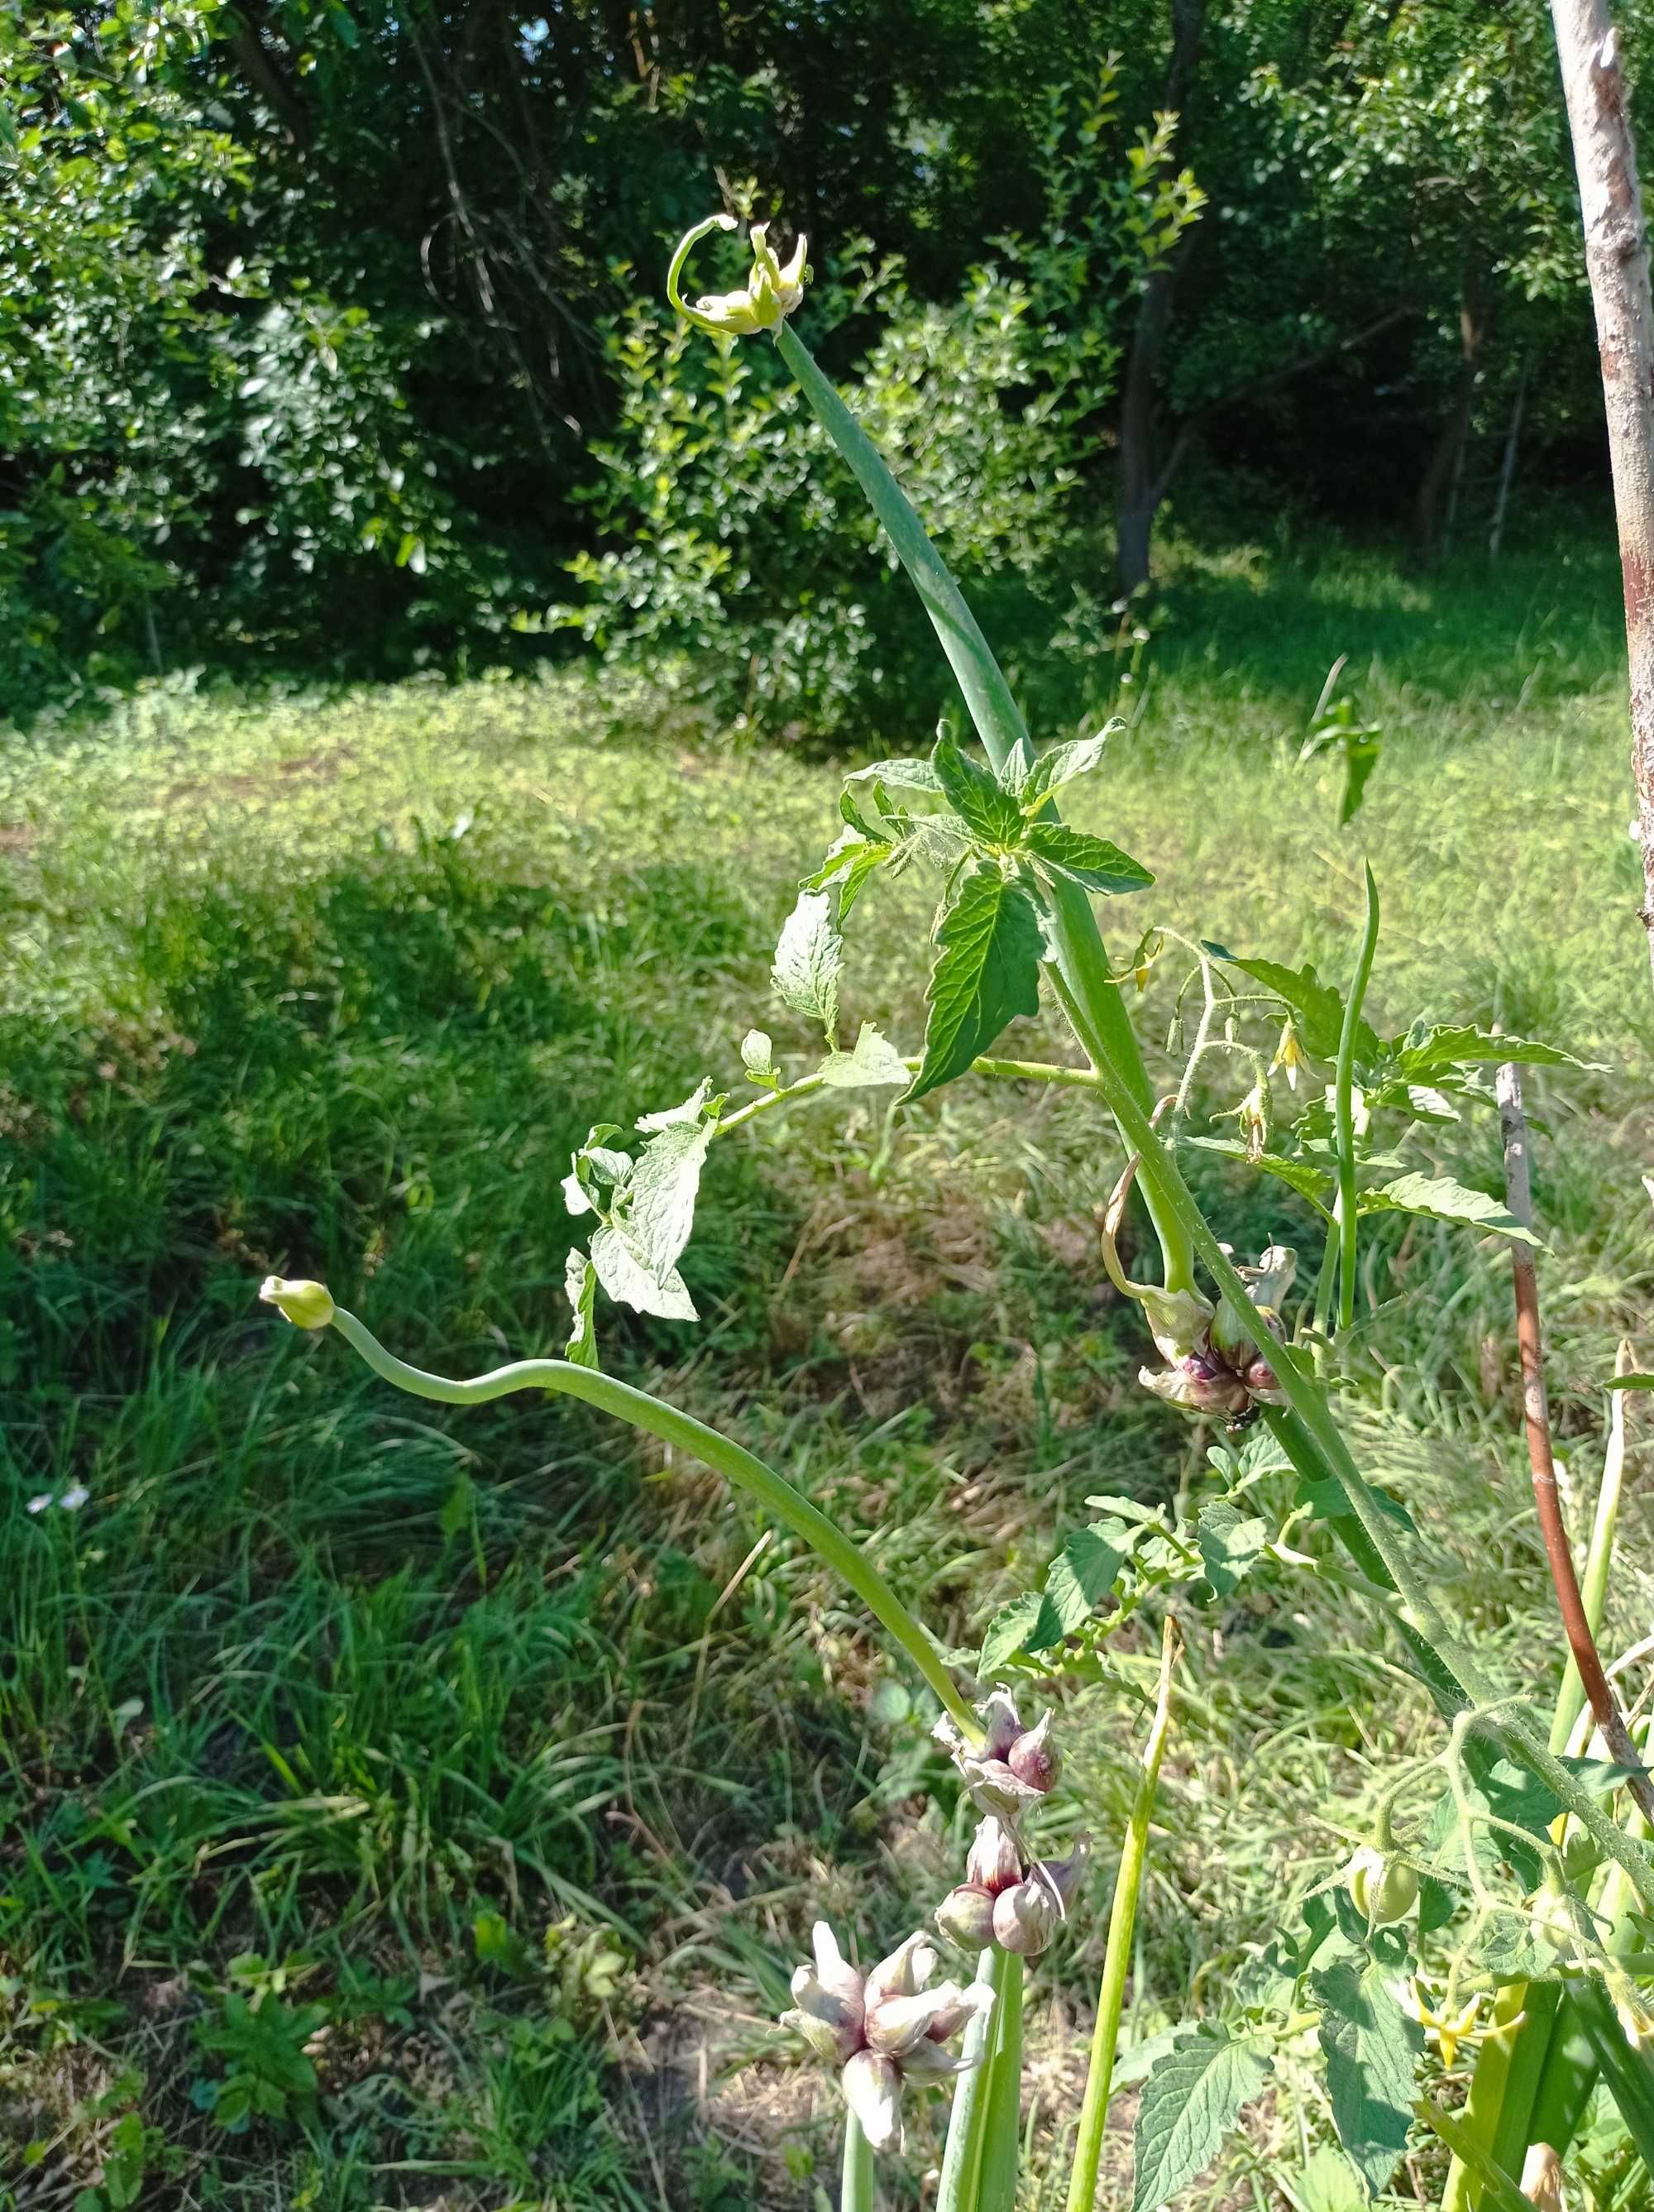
66 1501
883 2028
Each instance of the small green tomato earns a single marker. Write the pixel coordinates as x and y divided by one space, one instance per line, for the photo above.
1382 1889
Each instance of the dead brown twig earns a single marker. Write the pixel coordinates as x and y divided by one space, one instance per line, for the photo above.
1536 1411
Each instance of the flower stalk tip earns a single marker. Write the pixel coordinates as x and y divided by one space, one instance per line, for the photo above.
772 291
307 1305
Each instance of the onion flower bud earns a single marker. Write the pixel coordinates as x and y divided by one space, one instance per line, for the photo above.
994 1861
1032 1759
770 294
1025 1918
965 1916
307 1305
987 1769
880 2028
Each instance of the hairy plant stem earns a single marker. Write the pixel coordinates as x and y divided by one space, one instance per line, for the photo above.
1122 1924
732 1461
857 2191
1008 1071
1307 1399
1091 996
1344 1109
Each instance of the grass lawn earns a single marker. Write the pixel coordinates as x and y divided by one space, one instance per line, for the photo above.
408 1806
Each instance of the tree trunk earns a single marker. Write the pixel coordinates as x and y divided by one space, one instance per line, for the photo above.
1140 485
1447 455
1616 260
1507 467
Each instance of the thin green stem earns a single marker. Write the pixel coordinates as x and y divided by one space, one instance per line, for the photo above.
1089 991
857 2192
1344 1109
1008 1071
1002 2136
1122 1924
732 1461
962 2157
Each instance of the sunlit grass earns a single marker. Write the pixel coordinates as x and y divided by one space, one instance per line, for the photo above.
322 1680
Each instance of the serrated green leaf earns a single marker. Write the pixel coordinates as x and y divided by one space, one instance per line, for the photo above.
808 958
1370 2048
864 864
903 775
689 1113
626 1280
873 1060
986 974
659 1207
1231 1543
1189 2104
1423 1052
580 1285
1091 862
1320 1008
1301 1175
1084 1572
1328 1500
1439 1198
1061 765
1010 1630
987 810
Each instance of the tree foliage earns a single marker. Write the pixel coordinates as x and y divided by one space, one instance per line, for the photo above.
329 333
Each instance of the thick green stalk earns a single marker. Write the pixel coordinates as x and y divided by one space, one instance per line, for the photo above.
967 2124
1497 2189
859 2190
1344 1108
1116 1960
1507 2070
732 1461
1593 1589
1001 2135
1091 995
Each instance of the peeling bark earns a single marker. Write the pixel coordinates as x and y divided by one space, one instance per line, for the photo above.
1616 260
